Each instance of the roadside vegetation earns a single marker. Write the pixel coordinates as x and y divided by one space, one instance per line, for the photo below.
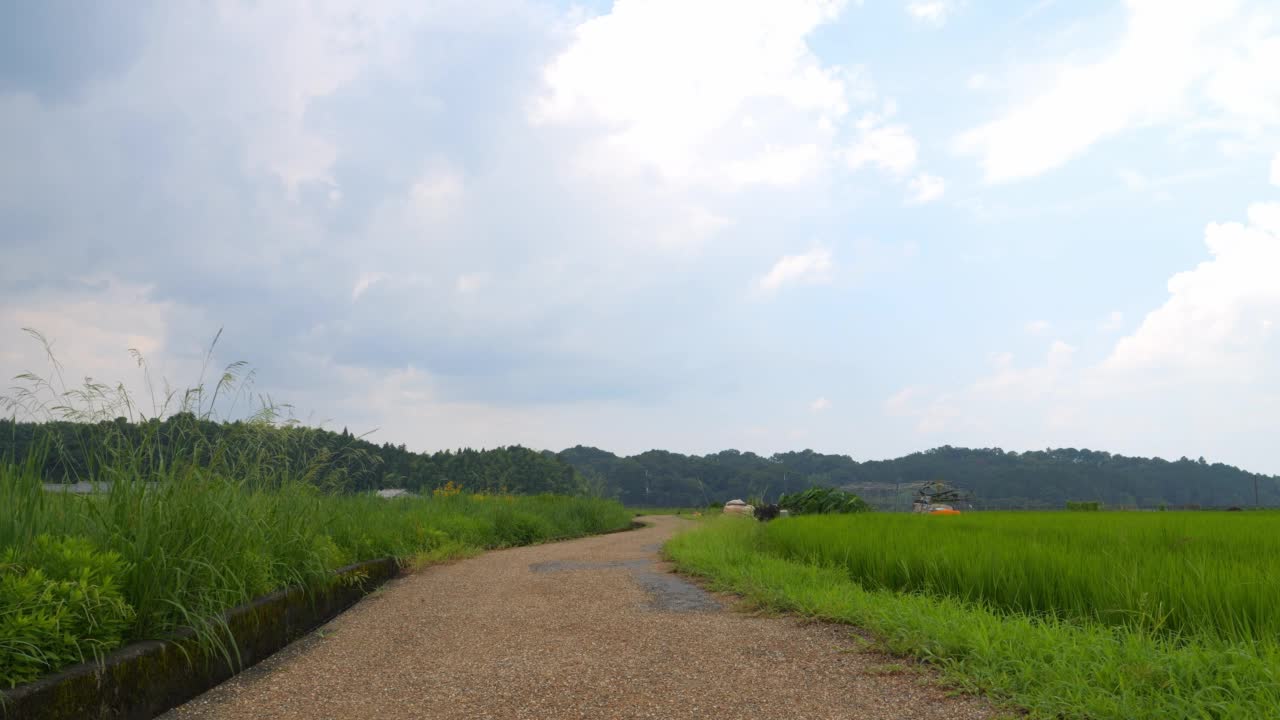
1068 615
186 524
81 575
822 501
680 511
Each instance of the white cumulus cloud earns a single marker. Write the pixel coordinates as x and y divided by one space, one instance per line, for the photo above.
820 404
925 188
1176 58
672 81
1221 317
810 268
1202 368
1038 327
890 148
934 12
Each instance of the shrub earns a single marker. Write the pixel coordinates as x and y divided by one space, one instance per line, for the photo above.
765 513
822 500
60 604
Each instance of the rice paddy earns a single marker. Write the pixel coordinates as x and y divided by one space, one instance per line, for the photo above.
1088 615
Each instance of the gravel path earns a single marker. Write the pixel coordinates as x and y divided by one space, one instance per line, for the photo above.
590 628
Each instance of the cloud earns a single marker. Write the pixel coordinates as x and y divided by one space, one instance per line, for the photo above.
819 405
1038 327
1275 170
810 268
933 12
1221 318
479 223
332 248
34 38
777 166
733 95
889 147
900 403
471 282
366 281
436 194
91 327
931 415
1168 51
925 188
330 196
978 413
1032 381
1159 186
1200 374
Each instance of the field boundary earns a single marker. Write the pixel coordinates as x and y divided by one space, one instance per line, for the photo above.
143 679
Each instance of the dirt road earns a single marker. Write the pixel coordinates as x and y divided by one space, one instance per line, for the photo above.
590 628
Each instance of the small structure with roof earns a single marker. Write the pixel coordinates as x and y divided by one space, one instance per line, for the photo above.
390 493
939 498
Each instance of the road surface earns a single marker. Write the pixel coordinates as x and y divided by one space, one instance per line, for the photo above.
590 628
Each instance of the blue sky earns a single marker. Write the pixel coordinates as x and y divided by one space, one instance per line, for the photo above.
866 228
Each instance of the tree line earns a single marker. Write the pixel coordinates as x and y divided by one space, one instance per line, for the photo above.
995 478
342 462
337 461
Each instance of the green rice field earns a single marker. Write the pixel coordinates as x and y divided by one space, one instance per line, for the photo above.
1081 615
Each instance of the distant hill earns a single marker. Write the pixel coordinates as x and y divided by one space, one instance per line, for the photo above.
997 479
68 452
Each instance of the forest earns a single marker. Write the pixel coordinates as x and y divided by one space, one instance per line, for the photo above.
336 461
340 461
995 478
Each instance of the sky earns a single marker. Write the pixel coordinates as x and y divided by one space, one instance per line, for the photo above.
866 228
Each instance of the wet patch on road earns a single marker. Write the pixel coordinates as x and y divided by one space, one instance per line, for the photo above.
673 593
667 592
570 565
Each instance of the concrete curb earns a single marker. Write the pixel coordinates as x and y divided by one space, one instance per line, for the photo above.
142 680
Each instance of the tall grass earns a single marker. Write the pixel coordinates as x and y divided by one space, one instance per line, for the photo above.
194 544
968 596
188 527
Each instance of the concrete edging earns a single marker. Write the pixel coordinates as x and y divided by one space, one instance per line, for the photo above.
143 679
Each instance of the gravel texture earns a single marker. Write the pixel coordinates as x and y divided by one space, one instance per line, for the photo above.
590 628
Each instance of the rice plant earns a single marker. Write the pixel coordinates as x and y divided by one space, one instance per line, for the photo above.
1183 573
1116 616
